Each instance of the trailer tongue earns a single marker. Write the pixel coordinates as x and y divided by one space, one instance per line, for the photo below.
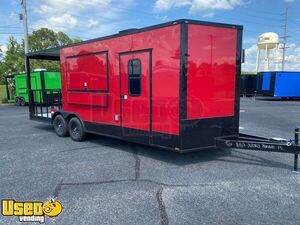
255 143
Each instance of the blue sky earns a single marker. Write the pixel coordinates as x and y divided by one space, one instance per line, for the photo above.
95 18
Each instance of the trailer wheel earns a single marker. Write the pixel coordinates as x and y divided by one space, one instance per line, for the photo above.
22 102
60 126
76 129
18 102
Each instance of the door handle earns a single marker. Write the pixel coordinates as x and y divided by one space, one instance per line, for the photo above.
124 97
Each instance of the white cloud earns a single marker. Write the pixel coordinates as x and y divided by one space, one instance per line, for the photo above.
289 0
74 4
58 23
76 16
3 49
206 7
62 15
92 23
167 4
252 50
250 58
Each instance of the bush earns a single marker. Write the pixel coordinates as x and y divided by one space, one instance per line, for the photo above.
4 100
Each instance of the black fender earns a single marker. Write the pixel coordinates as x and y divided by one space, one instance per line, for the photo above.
67 116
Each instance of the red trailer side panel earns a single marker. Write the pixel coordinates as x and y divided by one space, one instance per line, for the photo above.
164 44
211 71
87 72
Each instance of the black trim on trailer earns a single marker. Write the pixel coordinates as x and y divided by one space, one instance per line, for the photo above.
88 91
93 105
183 70
183 78
150 93
199 133
103 129
87 54
120 89
107 71
135 51
46 54
135 135
166 141
239 53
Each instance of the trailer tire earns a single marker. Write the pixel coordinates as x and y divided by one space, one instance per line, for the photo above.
60 126
22 102
76 129
18 101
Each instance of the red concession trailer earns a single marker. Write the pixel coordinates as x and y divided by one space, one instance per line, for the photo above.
174 85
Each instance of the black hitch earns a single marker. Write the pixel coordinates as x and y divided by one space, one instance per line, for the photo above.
256 143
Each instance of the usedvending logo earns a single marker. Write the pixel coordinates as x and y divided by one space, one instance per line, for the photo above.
31 211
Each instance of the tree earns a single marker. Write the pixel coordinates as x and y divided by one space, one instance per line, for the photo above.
13 61
1 71
64 39
42 39
45 38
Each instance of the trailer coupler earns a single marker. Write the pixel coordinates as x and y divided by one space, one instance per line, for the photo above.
255 143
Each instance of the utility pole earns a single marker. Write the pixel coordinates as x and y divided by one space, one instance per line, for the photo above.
24 18
284 38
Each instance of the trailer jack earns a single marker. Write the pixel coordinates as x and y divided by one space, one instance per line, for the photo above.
255 143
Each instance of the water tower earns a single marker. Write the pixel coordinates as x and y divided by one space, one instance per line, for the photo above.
267 42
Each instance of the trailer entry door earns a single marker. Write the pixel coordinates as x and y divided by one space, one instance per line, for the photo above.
135 95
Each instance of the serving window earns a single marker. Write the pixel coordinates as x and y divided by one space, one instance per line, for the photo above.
88 72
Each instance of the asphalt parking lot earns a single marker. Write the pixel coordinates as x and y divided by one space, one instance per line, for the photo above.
107 181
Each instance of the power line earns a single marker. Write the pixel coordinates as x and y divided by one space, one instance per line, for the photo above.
11 25
11 33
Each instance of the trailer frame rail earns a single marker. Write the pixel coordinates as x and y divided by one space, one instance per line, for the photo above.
255 143
43 102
